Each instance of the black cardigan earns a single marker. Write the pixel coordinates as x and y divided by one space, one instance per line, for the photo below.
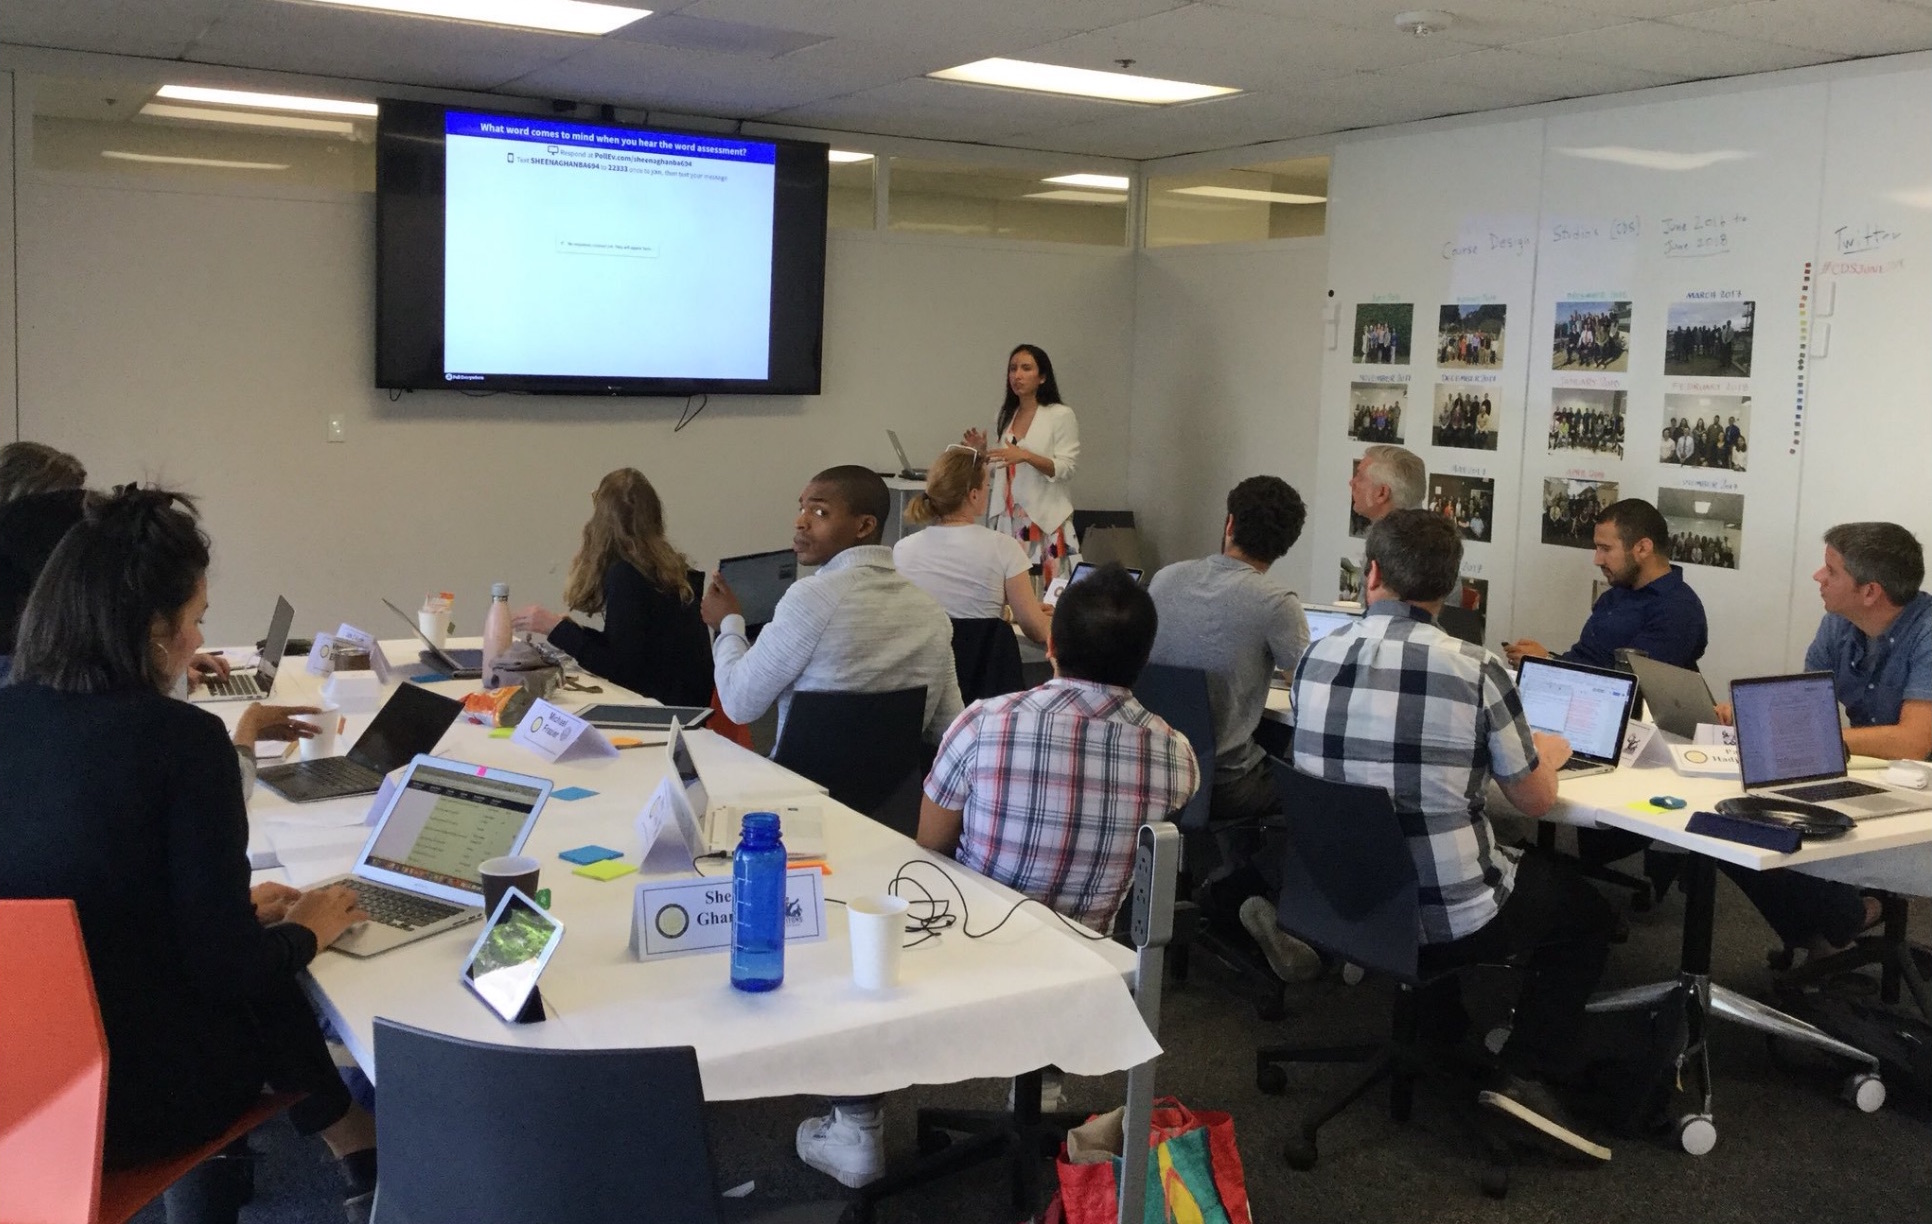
650 643
131 805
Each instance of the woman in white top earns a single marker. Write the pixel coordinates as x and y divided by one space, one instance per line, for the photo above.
974 572
1038 446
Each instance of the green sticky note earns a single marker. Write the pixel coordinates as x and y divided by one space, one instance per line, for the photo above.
609 869
502 732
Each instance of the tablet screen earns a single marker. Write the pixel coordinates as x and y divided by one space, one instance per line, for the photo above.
644 718
509 956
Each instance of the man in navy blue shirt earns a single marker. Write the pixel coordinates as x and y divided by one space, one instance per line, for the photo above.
1649 606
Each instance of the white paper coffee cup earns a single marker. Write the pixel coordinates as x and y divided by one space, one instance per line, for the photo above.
435 626
878 930
326 724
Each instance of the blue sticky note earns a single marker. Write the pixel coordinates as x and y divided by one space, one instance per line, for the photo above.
586 855
429 678
572 792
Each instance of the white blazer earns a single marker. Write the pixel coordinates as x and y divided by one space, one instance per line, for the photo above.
1047 500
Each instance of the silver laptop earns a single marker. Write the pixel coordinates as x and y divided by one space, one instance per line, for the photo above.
712 829
1676 697
1588 706
906 470
1789 747
257 682
417 874
1323 620
456 664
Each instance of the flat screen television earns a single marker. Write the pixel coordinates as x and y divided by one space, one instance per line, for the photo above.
516 253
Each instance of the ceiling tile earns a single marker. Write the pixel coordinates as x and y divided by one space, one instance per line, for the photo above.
649 77
1001 27
1653 46
1530 78
1849 27
1644 8
161 30
714 37
942 110
1488 23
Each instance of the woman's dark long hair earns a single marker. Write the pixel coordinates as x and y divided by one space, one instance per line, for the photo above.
1049 392
137 553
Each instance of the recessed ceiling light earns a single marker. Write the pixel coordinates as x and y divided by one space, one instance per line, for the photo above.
1251 193
1078 197
557 16
1106 182
217 163
291 123
267 101
845 157
1079 82
1657 159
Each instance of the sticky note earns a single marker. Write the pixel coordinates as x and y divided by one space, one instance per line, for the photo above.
430 678
569 793
1648 808
586 855
502 732
609 869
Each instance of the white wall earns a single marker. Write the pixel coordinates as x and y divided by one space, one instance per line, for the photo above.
1227 354
203 339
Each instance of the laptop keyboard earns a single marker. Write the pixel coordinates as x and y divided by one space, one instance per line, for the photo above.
1825 792
404 911
335 771
237 684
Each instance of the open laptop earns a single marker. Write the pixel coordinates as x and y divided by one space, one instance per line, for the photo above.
1676 697
456 664
409 723
710 828
1323 621
417 874
1588 706
760 580
1082 569
256 682
1789 747
906 470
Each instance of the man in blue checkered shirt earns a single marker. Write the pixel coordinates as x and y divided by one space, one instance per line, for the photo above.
1397 703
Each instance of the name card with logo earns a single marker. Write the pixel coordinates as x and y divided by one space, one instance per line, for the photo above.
1705 760
1641 742
678 917
556 735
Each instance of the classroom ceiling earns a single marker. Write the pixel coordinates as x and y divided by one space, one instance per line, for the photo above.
1306 67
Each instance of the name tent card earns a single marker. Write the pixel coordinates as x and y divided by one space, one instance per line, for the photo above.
655 852
556 735
1705 760
678 917
1642 741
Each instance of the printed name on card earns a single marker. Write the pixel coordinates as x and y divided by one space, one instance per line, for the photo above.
557 735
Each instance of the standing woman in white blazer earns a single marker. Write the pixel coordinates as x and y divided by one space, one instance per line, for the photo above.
1037 445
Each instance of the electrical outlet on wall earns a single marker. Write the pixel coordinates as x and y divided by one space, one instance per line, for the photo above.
335 429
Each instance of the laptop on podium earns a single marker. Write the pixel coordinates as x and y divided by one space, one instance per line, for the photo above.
1789 746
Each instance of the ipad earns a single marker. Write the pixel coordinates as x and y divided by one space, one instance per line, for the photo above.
642 717
511 953
760 580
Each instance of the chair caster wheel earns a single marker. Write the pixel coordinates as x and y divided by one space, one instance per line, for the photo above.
1697 1134
1299 1153
1866 1091
932 1141
1271 1079
1495 1182
1352 975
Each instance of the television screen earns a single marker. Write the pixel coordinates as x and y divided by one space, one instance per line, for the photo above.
517 253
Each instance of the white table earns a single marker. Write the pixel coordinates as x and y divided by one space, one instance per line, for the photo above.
1031 995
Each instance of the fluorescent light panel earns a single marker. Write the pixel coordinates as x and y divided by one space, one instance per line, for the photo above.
215 162
557 16
288 123
846 157
1250 193
1104 182
1079 82
267 101
1070 196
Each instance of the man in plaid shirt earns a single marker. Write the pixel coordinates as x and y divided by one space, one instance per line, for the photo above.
1397 703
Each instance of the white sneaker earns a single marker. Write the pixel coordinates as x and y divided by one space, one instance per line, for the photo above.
846 1144
1053 1090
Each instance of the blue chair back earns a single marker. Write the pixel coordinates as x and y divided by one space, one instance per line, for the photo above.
1180 696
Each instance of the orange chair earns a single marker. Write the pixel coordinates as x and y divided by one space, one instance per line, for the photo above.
737 733
53 1083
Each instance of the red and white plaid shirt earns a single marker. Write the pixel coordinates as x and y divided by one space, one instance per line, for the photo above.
1054 782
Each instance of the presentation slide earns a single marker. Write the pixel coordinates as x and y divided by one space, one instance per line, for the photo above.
576 250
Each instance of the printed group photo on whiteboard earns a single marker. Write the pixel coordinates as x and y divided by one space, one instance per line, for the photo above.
1570 509
1465 417
1705 339
1348 581
1473 598
1708 431
1470 336
1592 336
1375 411
1467 501
1705 528
1383 332
1587 420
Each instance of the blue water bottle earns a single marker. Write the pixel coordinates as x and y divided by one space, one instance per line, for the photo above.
758 905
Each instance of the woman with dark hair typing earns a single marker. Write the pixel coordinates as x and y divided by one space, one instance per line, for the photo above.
129 802
653 641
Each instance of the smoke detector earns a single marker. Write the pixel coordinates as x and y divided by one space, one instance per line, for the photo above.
1424 22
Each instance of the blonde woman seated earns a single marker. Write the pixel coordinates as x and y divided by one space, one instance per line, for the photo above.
973 571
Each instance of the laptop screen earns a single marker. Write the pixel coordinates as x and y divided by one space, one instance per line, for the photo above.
409 723
1585 705
445 824
1085 569
1787 729
759 581
687 770
1324 621
275 643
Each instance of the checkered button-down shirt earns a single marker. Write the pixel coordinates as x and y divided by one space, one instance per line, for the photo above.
1397 703
1053 783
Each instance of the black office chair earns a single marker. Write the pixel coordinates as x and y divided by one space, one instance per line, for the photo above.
1180 696
1349 888
986 656
866 749
491 1134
